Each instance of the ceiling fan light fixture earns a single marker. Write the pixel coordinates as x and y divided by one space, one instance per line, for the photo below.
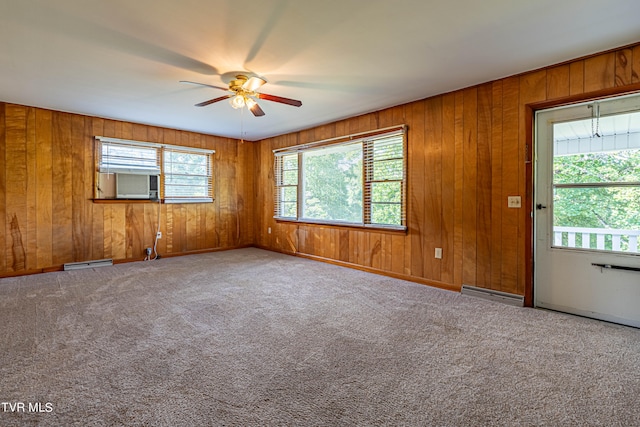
243 93
253 83
237 101
250 102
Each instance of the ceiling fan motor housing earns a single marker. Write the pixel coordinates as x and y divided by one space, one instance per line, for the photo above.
236 85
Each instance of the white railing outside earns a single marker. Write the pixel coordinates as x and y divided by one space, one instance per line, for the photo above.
621 240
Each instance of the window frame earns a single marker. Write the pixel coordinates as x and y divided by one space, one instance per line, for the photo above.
208 177
159 169
367 141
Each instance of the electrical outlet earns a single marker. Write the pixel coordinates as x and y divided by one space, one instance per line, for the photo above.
159 235
439 253
514 201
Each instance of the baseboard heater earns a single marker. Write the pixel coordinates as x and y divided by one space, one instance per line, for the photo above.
87 264
492 295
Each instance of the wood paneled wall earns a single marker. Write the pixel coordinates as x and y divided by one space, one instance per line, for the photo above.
467 152
48 218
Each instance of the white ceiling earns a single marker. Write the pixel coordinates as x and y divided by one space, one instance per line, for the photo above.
122 59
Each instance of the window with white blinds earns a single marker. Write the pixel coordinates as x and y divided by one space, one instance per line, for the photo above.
129 157
357 181
186 173
286 200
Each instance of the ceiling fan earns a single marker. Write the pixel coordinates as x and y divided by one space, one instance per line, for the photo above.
243 92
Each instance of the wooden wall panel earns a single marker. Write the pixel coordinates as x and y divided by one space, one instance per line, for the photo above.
448 187
16 187
510 175
47 212
558 82
497 135
576 78
31 240
635 64
469 187
468 151
432 234
623 67
62 190
416 166
600 72
458 202
484 187
3 190
44 192
118 231
80 248
399 116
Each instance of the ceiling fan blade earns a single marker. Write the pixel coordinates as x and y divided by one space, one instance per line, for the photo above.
280 99
256 110
211 101
204 84
253 83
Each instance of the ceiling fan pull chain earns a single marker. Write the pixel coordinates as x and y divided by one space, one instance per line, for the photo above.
595 113
242 125
598 120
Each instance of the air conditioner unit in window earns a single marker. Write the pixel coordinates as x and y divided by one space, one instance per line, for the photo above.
136 186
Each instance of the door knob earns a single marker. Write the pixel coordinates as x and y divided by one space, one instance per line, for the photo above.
540 206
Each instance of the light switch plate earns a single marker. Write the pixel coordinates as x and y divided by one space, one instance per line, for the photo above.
514 201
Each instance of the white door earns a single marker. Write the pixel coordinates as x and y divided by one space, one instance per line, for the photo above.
587 210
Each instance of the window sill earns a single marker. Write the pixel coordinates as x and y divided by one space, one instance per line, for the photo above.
185 200
125 201
392 229
162 201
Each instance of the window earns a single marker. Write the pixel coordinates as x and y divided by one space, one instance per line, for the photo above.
596 183
332 183
385 180
185 173
287 185
359 181
123 157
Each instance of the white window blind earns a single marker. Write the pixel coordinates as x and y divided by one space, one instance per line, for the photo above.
385 177
129 157
286 191
187 175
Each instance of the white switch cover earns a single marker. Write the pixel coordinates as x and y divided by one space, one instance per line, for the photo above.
439 253
514 201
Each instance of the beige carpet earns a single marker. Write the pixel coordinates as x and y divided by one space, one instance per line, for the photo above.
254 338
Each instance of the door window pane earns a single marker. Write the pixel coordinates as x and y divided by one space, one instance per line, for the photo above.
596 184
